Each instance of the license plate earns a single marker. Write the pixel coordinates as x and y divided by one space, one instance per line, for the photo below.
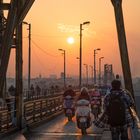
83 119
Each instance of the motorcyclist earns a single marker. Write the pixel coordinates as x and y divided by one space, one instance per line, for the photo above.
83 108
69 95
95 98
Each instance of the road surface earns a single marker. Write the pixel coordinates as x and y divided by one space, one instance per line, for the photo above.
60 128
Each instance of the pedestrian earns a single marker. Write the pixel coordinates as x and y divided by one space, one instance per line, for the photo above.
38 90
32 91
11 103
117 112
11 90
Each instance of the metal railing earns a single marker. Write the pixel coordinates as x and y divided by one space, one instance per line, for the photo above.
41 109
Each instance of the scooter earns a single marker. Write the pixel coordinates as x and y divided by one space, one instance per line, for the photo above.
69 107
83 115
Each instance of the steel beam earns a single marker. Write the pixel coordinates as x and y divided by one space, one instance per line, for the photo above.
6 43
5 6
13 20
123 45
27 5
19 86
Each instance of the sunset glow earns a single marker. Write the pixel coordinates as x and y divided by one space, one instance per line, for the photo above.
53 21
70 40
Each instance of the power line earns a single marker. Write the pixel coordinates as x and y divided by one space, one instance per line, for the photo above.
48 36
43 50
42 65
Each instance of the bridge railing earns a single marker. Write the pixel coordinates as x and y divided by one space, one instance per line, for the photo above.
41 109
36 108
7 116
33 95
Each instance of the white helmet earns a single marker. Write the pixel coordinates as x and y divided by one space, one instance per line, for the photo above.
84 90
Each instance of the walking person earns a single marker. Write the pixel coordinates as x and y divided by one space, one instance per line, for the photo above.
31 92
38 91
117 112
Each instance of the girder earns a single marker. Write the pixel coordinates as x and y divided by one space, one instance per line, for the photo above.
27 5
6 42
14 18
123 45
4 6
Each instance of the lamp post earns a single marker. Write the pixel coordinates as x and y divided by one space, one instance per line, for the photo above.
91 72
80 56
64 52
98 49
79 68
86 72
29 54
100 70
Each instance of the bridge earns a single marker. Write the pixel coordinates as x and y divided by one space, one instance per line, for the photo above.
41 116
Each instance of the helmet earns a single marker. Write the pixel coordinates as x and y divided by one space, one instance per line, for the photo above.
84 90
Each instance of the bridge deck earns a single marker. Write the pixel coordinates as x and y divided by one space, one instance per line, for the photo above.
59 128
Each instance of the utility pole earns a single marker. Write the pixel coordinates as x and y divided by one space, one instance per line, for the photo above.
64 53
98 49
29 61
86 72
123 45
29 54
91 73
100 70
80 57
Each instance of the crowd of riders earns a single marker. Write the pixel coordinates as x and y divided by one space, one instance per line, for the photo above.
113 110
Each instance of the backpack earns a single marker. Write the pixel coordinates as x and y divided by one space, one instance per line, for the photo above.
116 110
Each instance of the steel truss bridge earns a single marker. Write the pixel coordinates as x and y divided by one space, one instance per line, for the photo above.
35 111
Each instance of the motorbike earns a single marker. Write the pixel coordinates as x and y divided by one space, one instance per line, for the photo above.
95 108
83 116
69 107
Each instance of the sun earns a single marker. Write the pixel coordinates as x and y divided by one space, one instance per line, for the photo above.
70 40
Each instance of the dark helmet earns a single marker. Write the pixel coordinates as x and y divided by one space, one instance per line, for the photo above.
116 84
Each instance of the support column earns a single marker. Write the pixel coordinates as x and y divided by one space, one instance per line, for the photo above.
19 84
123 45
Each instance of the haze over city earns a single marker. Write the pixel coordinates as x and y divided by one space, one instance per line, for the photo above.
54 21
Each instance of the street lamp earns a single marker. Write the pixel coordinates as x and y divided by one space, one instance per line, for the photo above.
80 56
29 54
86 72
100 70
64 66
98 49
91 72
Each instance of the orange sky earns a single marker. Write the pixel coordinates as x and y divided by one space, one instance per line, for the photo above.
55 20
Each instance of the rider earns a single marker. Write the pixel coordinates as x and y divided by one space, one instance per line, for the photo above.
84 94
69 95
95 97
83 105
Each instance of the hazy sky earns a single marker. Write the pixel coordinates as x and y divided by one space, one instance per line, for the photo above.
53 21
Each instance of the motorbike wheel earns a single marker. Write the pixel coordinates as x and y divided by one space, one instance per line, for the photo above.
83 131
95 113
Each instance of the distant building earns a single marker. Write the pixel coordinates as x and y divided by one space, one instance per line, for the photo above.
40 76
62 75
53 76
